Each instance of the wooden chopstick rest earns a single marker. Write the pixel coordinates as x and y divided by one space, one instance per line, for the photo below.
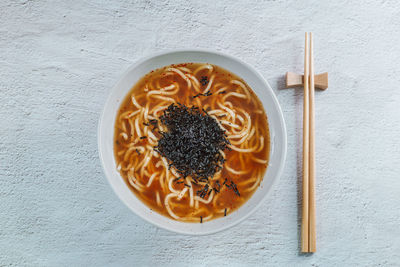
297 80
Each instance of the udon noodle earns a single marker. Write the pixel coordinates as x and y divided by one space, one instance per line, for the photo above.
221 95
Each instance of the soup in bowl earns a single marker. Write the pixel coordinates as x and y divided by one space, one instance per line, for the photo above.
192 140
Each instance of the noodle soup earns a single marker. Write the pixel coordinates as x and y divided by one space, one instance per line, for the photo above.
192 141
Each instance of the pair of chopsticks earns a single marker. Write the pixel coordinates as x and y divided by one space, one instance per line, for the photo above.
308 231
309 81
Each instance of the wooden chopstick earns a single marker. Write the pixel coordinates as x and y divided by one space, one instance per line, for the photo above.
308 231
311 181
309 80
305 204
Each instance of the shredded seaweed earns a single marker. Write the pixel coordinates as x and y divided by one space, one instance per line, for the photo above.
192 142
204 80
201 94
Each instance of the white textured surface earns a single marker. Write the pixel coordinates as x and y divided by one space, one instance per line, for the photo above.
58 62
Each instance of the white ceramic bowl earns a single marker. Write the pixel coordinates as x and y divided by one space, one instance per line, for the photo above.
254 80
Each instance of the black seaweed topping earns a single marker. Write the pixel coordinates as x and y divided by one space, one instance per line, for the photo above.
232 186
204 80
153 122
217 187
201 94
192 142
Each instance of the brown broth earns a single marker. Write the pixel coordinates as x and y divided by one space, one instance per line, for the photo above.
226 198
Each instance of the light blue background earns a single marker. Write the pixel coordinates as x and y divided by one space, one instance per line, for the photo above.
58 62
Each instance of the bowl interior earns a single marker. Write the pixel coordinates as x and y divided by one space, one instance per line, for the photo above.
253 79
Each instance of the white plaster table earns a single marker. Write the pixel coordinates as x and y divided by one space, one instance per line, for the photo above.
58 62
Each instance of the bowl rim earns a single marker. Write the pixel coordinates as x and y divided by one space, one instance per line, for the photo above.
281 120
